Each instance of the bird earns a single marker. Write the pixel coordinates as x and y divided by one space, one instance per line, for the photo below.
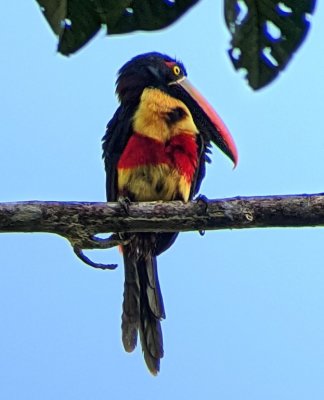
155 149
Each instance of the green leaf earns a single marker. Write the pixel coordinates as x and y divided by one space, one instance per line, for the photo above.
265 34
77 21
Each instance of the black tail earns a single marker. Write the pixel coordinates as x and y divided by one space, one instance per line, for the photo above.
142 307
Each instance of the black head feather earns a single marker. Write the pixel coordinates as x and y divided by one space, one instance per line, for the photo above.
146 70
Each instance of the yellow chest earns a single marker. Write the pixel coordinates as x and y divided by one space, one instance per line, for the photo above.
160 158
152 183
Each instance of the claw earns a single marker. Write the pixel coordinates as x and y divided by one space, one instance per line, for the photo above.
203 201
79 253
124 203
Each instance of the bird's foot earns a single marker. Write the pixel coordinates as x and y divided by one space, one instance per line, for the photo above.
124 203
202 200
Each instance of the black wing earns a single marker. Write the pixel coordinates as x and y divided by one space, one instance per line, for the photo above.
119 130
203 148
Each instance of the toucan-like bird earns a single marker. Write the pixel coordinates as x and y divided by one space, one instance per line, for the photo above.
155 148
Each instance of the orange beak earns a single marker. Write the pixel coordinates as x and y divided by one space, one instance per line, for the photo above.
206 117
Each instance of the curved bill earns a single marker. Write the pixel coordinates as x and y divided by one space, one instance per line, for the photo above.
220 135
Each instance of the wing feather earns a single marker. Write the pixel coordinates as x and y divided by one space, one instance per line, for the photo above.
118 131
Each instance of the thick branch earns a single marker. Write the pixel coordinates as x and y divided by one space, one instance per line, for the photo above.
80 221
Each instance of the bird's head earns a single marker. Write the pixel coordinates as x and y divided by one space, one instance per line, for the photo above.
169 75
147 70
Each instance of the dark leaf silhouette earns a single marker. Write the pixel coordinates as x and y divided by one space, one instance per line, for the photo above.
265 34
77 21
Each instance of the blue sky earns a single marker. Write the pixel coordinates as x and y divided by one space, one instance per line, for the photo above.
244 309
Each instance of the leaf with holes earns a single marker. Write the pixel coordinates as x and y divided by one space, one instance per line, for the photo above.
77 21
265 34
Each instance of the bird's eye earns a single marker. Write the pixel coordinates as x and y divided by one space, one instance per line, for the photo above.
176 70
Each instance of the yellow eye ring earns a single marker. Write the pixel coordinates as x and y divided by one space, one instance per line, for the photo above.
176 70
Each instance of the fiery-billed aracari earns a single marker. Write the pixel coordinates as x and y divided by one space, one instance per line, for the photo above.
155 148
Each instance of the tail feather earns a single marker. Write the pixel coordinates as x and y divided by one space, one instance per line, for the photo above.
143 308
131 305
151 312
153 290
152 342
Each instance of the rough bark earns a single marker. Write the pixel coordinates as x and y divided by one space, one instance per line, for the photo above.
84 219
79 222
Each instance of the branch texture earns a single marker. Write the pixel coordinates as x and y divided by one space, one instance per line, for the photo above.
80 221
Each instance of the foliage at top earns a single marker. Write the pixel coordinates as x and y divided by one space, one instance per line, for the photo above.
77 21
265 33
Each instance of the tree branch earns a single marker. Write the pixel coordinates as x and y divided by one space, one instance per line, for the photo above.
83 220
79 222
